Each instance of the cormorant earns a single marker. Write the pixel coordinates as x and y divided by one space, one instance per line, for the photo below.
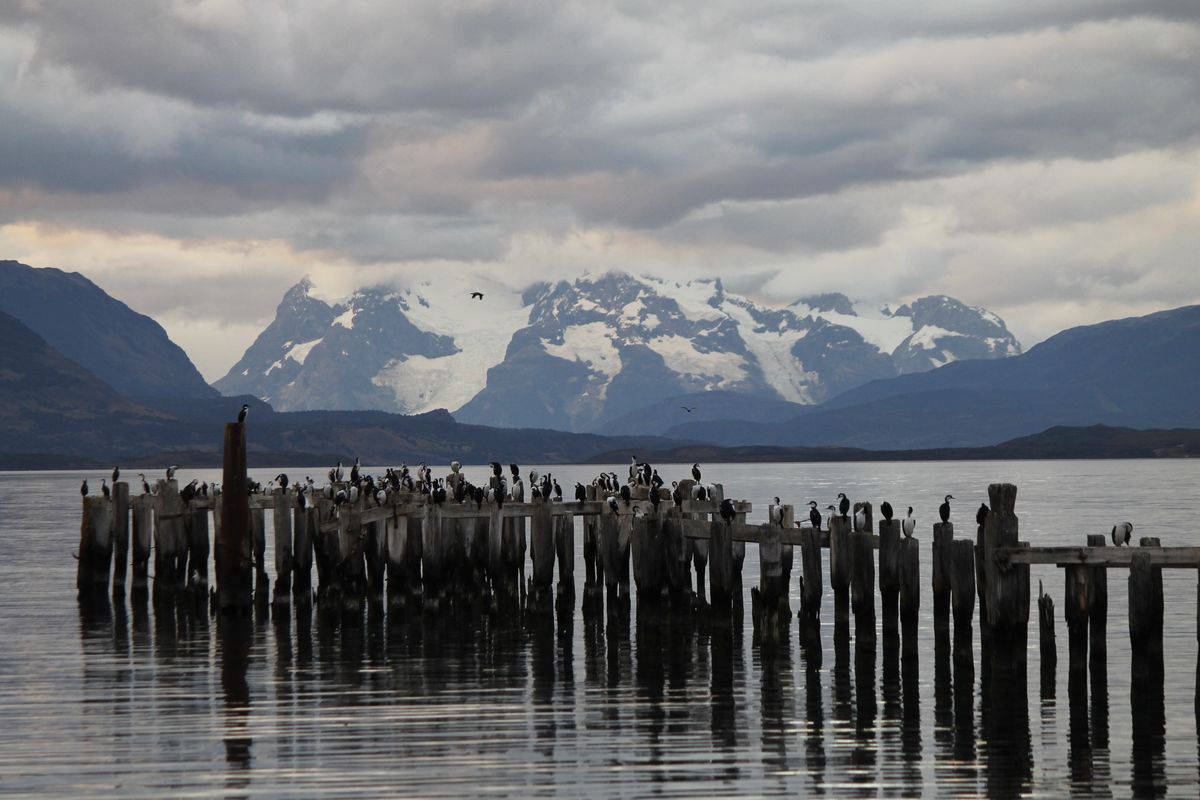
676 494
776 512
727 510
885 508
1121 533
944 508
625 494
283 480
814 516
612 503
860 519
908 524
557 491
580 492
843 505
242 414
476 295
497 470
699 491
656 481
145 485
981 514
696 472
171 471
354 471
116 474
104 490
83 489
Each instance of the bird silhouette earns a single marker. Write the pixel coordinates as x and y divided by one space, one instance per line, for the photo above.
476 295
687 409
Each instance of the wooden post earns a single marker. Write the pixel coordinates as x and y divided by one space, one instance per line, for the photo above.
303 520
1047 645
282 526
981 575
564 545
769 604
1098 619
610 551
168 545
962 590
910 584
1146 616
810 566
889 574
840 560
95 548
720 564
943 542
431 554
678 570
1007 590
395 532
862 586
235 577
258 528
143 531
120 536
1076 609
541 545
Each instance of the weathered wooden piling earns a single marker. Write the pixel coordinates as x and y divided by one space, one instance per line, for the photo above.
1146 615
1007 588
258 528
1098 617
564 546
95 547
811 580
962 591
720 564
235 560
198 548
304 521
862 583
541 546
143 533
432 576
120 536
889 574
677 550
910 584
943 542
1076 608
170 546
375 553
1047 645
770 608
610 551
281 518
841 557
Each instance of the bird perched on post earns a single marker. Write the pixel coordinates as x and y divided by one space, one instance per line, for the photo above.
696 472
776 513
728 512
145 484
104 490
625 494
612 503
944 508
580 492
814 516
242 414
1121 533
908 524
885 508
171 471
843 505
860 519
83 488
981 514
676 494
116 474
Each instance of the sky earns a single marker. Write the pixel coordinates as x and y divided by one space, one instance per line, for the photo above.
195 158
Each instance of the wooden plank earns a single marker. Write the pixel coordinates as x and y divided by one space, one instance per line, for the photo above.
1166 557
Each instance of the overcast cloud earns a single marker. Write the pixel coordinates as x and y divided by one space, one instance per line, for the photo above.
197 157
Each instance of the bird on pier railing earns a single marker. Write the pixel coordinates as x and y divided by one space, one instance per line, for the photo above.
676 494
145 484
831 509
171 471
625 494
518 490
655 497
1121 533
580 492
696 472
282 478
944 508
634 469
515 470
242 414
981 514
497 470
700 492
885 508
557 491
728 512
188 492
612 503
843 505
116 474
814 516
908 524
355 471
860 519
776 513
647 474
83 488
204 489
656 482
104 490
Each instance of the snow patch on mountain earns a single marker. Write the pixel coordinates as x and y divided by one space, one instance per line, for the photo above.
346 318
718 370
590 344
299 352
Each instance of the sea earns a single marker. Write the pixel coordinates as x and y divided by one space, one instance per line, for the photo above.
132 702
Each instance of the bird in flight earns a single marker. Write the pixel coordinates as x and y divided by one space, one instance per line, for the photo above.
687 409
476 295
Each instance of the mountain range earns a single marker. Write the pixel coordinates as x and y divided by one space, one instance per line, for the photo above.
585 355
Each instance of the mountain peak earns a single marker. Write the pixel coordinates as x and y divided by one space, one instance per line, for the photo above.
835 302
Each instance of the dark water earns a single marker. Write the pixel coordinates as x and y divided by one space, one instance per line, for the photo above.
134 703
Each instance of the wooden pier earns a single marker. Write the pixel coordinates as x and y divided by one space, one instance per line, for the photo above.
407 550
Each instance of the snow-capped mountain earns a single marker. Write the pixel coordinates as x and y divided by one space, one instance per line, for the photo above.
577 355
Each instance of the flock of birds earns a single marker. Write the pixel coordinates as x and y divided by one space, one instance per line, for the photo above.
503 488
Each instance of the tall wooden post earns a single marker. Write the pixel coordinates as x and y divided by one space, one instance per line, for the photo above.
95 548
258 529
303 520
120 532
282 526
564 546
1046 642
1007 589
862 586
1098 618
143 530
811 581
235 562
1076 609
962 590
889 574
720 564
1146 616
943 542
840 560
198 549
541 535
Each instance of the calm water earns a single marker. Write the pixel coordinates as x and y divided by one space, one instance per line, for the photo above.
137 704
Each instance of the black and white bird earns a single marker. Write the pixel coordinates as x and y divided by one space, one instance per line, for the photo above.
355 471
104 490
1121 533
700 492
676 494
242 414
908 524
843 505
612 503
656 481
116 475
625 494
282 478
981 514
885 508
776 512
944 508
728 512
83 488
860 519
171 471
696 472
557 491
145 483
814 515
580 492
188 492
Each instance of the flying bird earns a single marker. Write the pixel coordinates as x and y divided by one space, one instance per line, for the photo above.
476 295
1121 533
944 508
687 409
